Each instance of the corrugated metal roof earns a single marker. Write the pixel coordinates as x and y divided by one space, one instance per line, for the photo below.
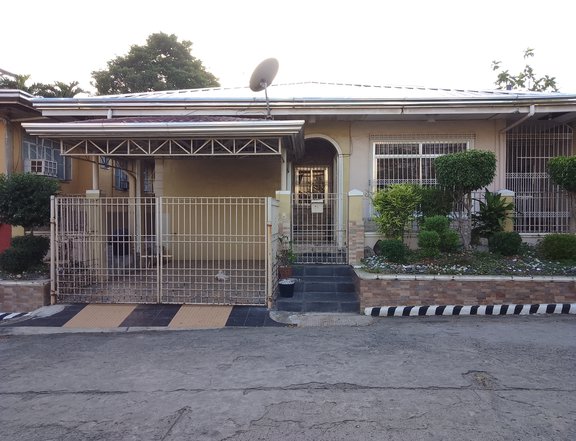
328 91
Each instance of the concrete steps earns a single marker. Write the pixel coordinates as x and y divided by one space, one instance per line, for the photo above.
322 288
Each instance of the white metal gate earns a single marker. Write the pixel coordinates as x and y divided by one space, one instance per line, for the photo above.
163 250
318 231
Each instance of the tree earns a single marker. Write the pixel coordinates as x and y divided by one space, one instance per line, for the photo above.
163 63
562 171
58 89
25 199
462 173
526 79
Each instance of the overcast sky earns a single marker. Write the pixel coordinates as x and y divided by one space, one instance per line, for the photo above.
435 43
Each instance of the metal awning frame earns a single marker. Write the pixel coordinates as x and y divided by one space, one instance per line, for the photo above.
173 147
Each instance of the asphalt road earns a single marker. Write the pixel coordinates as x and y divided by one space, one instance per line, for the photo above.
437 378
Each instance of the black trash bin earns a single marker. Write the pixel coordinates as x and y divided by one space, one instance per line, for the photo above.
286 287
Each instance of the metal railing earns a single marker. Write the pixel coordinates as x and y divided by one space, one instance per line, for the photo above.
163 250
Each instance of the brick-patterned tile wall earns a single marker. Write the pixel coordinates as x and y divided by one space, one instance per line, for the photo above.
487 291
355 242
24 296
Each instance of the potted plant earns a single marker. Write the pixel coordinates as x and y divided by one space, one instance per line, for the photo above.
286 258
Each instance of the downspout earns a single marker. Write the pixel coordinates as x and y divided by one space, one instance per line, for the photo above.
502 142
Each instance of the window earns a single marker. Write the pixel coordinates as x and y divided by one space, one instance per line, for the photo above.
410 161
148 177
120 176
42 156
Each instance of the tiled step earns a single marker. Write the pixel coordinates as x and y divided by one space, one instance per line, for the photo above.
322 288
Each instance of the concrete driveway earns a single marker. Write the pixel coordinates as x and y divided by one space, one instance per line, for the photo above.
435 378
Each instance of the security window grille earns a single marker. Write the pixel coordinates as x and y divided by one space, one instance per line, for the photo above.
120 176
148 178
42 156
410 162
541 206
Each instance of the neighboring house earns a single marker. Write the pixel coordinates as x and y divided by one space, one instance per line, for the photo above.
199 164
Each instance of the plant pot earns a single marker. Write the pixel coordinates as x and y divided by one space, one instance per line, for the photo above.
285 272
286 287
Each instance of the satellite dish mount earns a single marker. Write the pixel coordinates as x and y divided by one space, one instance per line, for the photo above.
262 77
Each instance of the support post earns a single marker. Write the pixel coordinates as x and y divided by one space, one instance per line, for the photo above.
508 196
284 213
355 227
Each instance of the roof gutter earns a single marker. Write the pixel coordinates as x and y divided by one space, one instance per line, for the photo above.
526 117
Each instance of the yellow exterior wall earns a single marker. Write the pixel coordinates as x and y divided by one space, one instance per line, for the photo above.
3 130
247 176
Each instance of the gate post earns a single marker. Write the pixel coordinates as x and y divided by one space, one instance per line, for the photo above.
284 213
355 227
53 241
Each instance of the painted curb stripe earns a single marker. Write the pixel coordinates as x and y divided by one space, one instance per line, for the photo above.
429 310
12 315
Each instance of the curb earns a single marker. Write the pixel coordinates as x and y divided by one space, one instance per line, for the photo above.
12 315
429 310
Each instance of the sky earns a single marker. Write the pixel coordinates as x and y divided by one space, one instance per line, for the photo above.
433 43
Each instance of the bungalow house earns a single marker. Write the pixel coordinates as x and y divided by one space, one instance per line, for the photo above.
209 180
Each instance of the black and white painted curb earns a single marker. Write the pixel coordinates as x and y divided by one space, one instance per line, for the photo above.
407 311
12 315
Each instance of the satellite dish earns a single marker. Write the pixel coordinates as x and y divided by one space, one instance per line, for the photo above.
264 74
262 77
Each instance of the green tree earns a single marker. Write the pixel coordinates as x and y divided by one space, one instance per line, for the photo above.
462 173
526 79
562 171
25 199
164 63
58 89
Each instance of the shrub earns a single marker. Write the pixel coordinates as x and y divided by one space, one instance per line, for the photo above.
449 241
395 206
506 243
392 249
15 260
25 253
429 243
436 223
25 199
558 247
435 201
491 215
35 246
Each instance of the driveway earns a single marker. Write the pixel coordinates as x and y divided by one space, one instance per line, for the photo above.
407 378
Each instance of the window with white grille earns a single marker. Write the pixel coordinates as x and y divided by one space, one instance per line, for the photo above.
410 161
541 206
42 156
120 176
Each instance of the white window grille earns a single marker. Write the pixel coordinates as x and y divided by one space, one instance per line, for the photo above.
41 167
541 206
120 176
410 161
42 156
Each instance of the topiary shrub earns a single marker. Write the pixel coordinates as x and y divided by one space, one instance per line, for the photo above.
558 247
449 239
506 243
435 201
429 243
392 249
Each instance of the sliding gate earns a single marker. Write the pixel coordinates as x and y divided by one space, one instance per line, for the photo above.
163 250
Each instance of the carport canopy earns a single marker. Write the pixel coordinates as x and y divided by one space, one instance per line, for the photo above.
164 136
